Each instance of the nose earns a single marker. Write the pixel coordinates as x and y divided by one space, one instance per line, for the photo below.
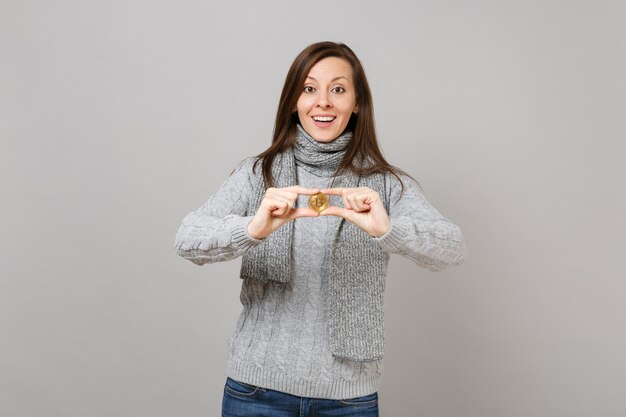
323 99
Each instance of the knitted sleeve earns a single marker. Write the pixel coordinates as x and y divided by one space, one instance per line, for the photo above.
217 231
418 231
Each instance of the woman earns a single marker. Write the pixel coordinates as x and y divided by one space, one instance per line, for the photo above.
315 218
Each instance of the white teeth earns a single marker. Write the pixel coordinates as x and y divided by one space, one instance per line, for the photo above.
324 118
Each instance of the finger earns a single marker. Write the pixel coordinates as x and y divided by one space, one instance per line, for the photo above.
333 191
358 202
280 207
279 212
302 190
346 203
276 201
347 195
360 207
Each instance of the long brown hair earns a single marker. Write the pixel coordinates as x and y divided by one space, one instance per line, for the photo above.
363 155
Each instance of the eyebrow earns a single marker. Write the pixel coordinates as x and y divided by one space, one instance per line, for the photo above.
334 79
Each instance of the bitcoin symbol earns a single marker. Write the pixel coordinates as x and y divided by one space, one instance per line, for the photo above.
318 202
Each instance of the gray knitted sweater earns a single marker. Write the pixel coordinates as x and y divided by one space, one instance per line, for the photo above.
281 338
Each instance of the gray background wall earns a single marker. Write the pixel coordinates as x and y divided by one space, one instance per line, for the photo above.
120 117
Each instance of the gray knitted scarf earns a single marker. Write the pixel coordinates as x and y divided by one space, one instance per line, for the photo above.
358 268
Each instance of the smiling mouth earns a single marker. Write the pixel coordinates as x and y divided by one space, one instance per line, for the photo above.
323 121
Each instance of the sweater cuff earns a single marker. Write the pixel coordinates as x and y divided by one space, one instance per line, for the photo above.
240 237
393 240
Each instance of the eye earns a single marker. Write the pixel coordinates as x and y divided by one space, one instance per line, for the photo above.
339 89
308 89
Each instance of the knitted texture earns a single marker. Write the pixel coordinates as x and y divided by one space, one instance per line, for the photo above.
357 264
357 285
271 259
282 338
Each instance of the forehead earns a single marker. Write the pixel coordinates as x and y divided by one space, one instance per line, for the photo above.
330 68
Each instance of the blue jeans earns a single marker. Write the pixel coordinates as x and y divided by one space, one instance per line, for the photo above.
251 401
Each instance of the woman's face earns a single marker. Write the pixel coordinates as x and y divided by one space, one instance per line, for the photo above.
327 99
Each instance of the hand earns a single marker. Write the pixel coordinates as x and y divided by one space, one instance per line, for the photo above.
363 207
278 208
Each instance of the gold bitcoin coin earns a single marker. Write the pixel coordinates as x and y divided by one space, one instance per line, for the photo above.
318 202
